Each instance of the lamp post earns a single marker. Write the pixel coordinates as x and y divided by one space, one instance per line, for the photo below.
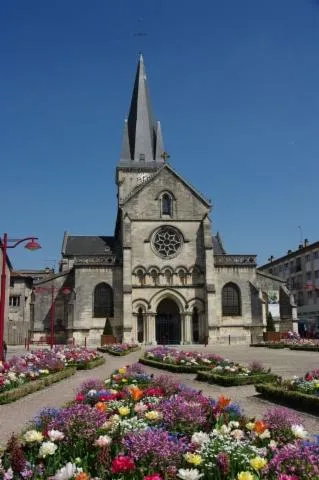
5 244
52 289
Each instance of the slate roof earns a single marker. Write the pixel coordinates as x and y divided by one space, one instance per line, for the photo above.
88 245
218 245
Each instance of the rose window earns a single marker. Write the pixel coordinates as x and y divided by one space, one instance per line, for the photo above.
167 241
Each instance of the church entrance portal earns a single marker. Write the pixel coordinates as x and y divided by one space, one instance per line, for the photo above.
168 323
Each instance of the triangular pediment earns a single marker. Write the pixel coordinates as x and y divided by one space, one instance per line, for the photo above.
167 168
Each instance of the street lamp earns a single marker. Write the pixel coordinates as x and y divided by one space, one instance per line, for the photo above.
52 289
4 245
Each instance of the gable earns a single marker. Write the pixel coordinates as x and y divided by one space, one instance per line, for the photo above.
144 202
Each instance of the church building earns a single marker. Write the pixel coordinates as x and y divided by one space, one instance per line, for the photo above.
163 277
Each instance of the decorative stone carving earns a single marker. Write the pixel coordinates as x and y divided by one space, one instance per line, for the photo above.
235 260
167 242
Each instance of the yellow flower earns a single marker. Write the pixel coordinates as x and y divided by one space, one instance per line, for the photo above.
258 463
123 411
153 415
124 380
193 458
122 370
245 476
250 425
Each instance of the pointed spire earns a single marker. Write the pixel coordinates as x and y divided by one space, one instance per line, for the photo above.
159 144
142 141
125 154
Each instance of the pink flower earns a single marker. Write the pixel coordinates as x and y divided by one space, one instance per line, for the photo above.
122 464
284 476
153 476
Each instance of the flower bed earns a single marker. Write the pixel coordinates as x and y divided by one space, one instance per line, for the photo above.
119 349
18 376
80 357
31 387
175 360
135 427
236 374
310 345
299 392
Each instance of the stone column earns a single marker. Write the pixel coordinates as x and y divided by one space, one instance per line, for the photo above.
187 328
151 331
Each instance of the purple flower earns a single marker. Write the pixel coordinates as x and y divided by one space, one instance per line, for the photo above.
297 460
156 447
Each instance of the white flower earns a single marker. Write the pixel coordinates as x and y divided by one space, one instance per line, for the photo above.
272 444
299 431
66 472
91 393
224 429
32 436
237 434
103 441
265 434
233 424
47 448
199 438
55 435
8 474
189 474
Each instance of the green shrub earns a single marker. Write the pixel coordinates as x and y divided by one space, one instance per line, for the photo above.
35 385
270 323
172 367
298 400
92 364
107 327
236 380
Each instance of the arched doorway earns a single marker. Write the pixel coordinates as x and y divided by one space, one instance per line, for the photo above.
168 323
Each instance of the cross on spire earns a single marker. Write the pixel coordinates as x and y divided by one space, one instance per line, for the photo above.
165 156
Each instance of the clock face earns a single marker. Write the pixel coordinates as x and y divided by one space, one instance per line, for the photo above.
142 177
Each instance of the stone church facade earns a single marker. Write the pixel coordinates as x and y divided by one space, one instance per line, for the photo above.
163 277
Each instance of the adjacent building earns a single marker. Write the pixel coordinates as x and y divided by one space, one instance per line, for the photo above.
20 305
8 270
300 271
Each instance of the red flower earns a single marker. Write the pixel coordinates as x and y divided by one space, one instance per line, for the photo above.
122 464
80 397
153 476
309 377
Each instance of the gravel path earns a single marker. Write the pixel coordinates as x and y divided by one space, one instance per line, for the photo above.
14 416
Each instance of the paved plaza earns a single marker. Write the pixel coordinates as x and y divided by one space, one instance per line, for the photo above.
287 363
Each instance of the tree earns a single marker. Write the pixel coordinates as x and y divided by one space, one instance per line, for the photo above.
270 323
107 327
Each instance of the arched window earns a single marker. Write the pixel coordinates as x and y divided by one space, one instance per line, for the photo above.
166 204
182 277
141 277
154 277
168 277
103 300
140 326
231 303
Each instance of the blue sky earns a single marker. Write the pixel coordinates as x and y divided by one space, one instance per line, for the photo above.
234 83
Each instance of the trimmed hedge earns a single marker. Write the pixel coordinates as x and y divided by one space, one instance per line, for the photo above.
269 345
118 354
290 398
235 380
35 385
173 368
92 364
307 348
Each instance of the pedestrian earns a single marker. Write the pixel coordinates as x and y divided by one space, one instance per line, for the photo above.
5 348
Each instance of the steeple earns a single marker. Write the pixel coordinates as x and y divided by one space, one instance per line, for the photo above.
142 140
